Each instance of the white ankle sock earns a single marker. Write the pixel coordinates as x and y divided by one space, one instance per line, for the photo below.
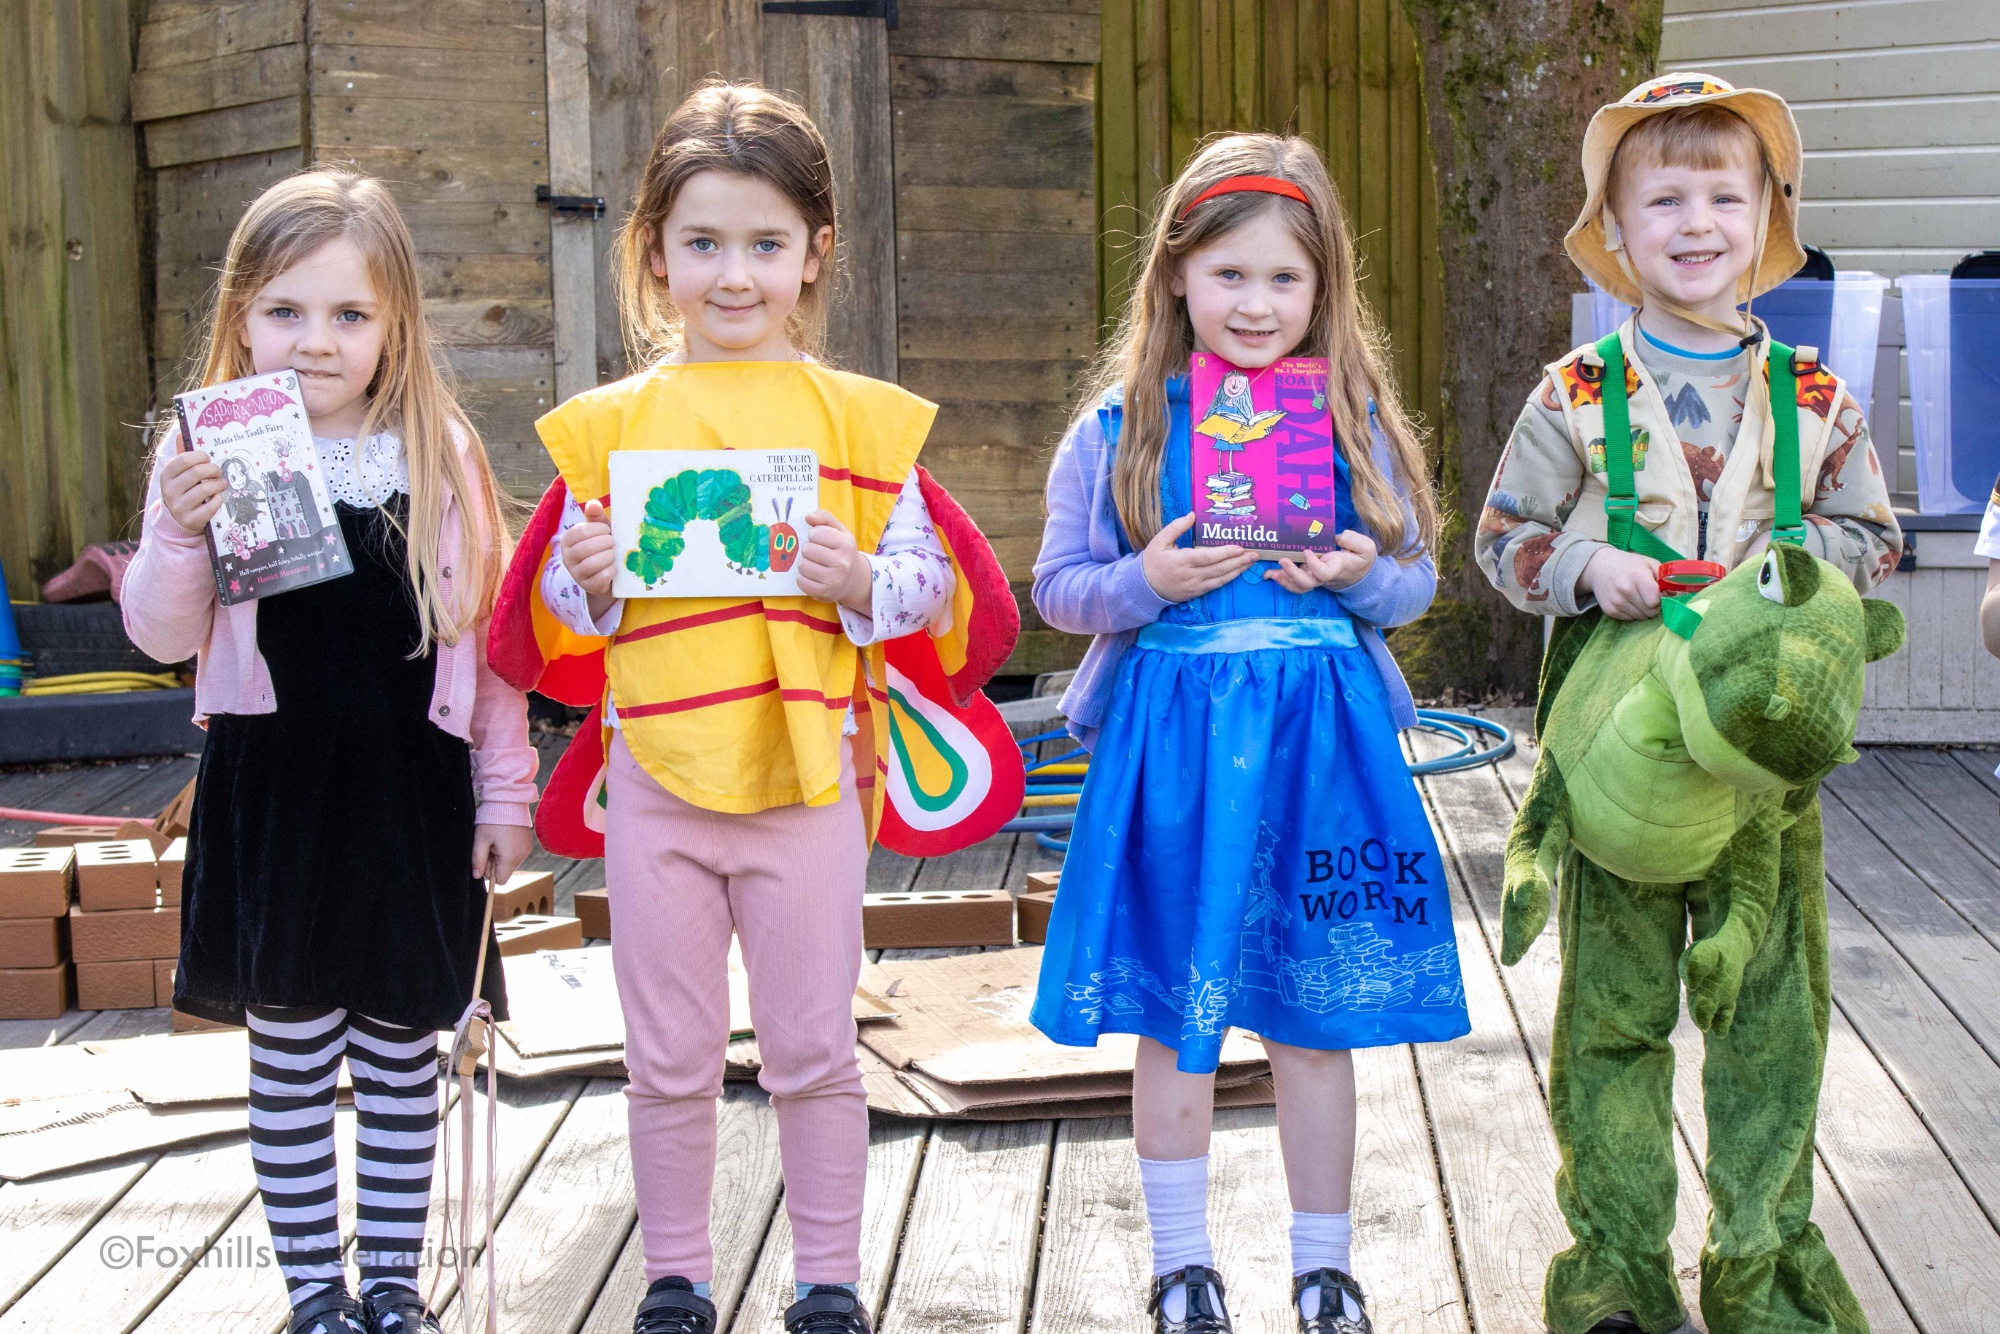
1322 1241
1177 1212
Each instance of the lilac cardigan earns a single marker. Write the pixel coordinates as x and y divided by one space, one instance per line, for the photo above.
1085 585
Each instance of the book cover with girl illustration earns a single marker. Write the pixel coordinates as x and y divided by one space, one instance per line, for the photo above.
276 529
1262 454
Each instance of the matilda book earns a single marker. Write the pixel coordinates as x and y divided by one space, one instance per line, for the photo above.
710 523
276 529
1262 454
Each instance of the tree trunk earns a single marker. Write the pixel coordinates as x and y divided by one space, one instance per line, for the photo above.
1509 86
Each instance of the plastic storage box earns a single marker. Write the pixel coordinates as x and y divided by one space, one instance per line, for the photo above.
1952 329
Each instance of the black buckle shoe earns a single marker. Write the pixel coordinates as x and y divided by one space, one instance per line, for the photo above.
399 1310
1207 1309
1618 1322
671 1306
1332 1317
827 1309
332 1312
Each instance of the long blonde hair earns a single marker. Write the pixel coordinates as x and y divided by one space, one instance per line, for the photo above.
411 393
1155 339
747 130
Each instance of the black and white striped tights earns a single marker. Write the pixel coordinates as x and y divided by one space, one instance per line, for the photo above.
295 1060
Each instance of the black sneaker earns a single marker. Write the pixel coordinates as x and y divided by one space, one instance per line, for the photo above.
1332 1317
1207 1311
398 1310
332 1312
671 1306
827 1309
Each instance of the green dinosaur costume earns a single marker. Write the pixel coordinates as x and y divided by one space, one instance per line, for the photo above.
1678 787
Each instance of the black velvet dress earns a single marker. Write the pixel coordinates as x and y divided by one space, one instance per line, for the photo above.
330 845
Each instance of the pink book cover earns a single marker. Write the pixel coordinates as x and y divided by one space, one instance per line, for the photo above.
1262 455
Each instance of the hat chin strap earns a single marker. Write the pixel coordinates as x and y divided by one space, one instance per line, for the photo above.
1614 241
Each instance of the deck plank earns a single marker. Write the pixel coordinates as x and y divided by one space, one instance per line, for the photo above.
41 1219
981 1180
1955 796
982 866
553 1256
895 1148
1096 1254
1249 1216
1952 867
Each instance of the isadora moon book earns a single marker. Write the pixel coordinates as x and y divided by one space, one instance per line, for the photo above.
1262 453
276 529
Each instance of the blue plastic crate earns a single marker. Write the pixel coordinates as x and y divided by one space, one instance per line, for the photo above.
1952 329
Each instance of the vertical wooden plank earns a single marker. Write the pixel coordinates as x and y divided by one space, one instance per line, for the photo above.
1343 142
1426 395
849 60
1214 58
1310 74
1405 162
572 252
1247 52
1183 79
1280 81
1119 217
1150 88
1370 202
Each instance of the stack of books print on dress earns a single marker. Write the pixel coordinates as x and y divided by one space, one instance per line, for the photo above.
1263 456
276 529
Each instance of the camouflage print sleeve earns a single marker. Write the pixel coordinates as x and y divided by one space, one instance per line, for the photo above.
1520 545
1850 523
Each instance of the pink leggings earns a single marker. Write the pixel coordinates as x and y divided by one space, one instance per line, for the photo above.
788 881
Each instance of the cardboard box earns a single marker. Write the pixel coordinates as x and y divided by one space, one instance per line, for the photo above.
163 981
531 931
34 993
143 829
593 909
118 874
189 1023
35 882
1032 911
68 835
124 985
173 866
134 933
937 919
31 942
524 892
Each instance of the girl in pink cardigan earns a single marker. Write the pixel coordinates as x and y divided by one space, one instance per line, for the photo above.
364 769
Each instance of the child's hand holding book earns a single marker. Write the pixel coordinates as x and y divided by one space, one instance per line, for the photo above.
1335 570
192 489
831 568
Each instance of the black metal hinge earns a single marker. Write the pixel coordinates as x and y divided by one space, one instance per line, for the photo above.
847 9
576 206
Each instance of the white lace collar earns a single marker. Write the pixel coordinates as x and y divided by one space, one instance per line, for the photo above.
364 474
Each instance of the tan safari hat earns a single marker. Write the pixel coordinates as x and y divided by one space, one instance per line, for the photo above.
1594 243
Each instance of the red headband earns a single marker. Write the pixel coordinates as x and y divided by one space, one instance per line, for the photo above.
1269 185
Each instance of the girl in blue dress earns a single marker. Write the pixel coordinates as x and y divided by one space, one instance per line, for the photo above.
1249 851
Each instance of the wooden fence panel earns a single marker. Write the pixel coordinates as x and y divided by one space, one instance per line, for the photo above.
72 343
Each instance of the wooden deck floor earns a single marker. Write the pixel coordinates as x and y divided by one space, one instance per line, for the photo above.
1039 1226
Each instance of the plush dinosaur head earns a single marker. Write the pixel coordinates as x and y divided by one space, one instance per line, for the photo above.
1769 684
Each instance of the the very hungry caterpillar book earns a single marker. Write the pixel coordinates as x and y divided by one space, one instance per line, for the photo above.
1262 454
276 529
710 522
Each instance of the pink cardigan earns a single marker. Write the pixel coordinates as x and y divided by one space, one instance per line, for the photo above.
171 612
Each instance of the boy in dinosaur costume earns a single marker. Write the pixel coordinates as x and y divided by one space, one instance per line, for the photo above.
1679 448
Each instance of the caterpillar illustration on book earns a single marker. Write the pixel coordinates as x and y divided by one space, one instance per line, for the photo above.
950 772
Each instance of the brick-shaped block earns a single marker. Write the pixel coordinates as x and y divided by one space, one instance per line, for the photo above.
35 882
1032 913
34 993
124 873
194 1023
31 942
593 910
68 835
144 829
173 865
1042 882
135 933
124 985
933 919
531 931
524 892
163 981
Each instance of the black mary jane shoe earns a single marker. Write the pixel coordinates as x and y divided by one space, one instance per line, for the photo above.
672 1306
1618 1322
1332 1317
1207 1307
332 1312
399 1311
827 1309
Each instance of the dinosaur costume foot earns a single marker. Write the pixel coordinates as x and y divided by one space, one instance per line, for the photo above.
1586 1284
1796 1289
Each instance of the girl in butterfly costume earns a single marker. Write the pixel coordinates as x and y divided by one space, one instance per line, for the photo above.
743 753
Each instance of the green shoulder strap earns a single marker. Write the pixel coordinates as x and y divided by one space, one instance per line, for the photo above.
1787 524
1621 504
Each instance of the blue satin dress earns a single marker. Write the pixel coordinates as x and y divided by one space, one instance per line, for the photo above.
1250 850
